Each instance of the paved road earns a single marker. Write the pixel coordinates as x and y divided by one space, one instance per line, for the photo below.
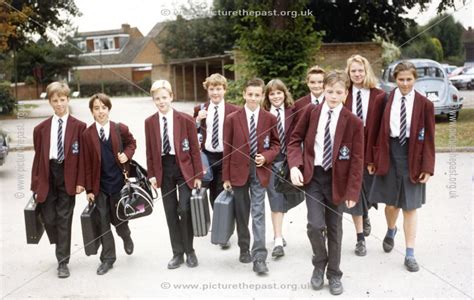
444 244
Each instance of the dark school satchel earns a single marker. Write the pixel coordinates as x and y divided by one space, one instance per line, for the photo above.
137 194
293 195
90 230
33 223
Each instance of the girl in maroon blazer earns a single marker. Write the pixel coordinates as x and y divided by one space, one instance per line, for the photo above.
174 164
403 158
279 102
104 163
361 100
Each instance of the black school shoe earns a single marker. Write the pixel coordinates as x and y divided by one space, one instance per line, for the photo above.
411 264
278 252
360 249
104 268
191 260
128 245
245 257
260 266
388 242
176 261
317 279
335 286
63 270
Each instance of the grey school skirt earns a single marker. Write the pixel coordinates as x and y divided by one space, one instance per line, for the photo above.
362 207
277 200
395 188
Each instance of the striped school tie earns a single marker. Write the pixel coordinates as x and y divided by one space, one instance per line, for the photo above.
215 129
60 140
102 134
360 114
253 137
327 154
281 132
166 140
403 123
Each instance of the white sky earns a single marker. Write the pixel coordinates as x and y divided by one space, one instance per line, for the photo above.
144 14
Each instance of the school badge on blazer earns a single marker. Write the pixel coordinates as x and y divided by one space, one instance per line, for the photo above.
344 153
75 147
421 134
185 145
266 142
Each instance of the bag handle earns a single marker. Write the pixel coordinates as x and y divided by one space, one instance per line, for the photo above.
119 136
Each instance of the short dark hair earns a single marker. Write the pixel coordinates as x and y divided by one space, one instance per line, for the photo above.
255 82
102 98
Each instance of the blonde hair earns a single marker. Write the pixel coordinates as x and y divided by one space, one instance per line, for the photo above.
314 70
215 79
58 87
336 76
370 81
276 84
161 84
405 66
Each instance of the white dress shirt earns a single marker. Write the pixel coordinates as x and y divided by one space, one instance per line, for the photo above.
273 111
209 126
319 144
169 121
249 113
365 95
106 129
395 112
53 145
314 98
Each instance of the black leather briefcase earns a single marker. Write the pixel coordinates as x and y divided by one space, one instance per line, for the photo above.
33 223
90 230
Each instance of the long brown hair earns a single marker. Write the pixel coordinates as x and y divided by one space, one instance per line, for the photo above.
276 84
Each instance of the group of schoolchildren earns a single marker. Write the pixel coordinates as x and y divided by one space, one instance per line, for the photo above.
348 145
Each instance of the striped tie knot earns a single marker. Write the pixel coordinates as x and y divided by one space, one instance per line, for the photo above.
403 122
281 132
253 137
215 129
60 146
327 153
360 113
166 141
102 134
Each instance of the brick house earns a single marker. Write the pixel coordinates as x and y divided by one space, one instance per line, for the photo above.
119 55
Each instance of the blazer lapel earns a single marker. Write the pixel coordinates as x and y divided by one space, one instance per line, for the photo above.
288 119
348 103
47 141
340 128
415 118
68 135
243 125
155 124
176 131
313 125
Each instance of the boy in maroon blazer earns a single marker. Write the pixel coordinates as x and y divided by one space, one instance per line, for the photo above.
174 164
251 144
56 176
314 81
104 165
332 163
210 122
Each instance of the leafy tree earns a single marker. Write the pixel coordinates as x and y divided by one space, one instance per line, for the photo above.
21 19
278 46
448 32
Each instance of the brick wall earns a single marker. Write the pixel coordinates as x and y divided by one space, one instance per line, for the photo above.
334 55
107 75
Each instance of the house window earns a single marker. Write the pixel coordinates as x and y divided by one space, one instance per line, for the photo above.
82 45
104 44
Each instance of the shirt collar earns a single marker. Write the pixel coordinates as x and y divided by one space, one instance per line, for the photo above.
212 105
274 109
336 110
249 112
168 115
64 118
314 98
106 126
410 96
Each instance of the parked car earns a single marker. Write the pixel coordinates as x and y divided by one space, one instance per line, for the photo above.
432 82
465 80
449 69
3 148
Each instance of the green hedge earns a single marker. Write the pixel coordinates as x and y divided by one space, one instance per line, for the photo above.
7 101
